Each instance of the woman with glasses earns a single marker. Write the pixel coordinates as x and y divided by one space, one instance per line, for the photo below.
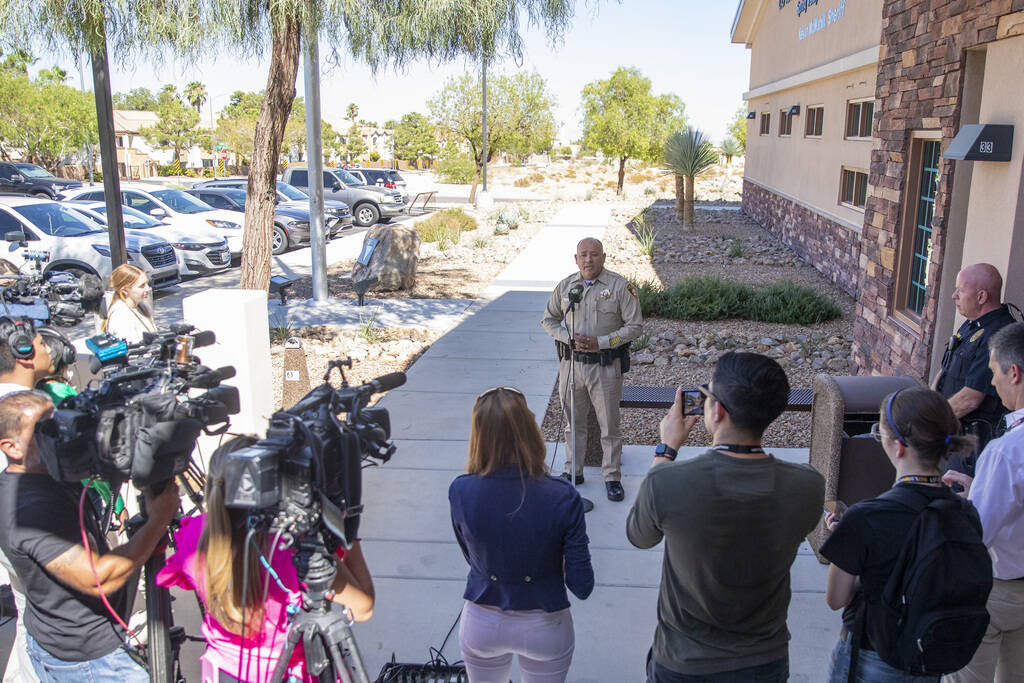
918 431
523 534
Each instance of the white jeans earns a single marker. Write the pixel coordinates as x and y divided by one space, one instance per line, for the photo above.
489 637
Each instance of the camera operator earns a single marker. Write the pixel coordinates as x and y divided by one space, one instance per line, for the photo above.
210 561
71 635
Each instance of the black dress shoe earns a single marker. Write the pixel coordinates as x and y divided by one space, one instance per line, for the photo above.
615 491
579 478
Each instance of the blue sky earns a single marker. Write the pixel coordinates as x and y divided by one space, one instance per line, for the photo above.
681 45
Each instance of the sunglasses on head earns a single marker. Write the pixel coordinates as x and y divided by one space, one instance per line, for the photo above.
705 390
494 389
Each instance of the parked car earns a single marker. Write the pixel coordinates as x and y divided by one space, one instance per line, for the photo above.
198 249
31 179
79 245
369 203
174 207
337 215
291 224
382 177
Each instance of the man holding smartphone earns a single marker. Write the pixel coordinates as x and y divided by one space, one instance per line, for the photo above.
732 519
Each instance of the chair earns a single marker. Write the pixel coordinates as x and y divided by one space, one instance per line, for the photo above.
855 468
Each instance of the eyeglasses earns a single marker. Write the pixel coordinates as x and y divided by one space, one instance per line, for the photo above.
876 431
494 389
705 389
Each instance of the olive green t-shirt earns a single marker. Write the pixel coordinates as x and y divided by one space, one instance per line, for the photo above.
732 527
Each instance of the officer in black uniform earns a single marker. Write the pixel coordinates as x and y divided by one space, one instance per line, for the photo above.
965 379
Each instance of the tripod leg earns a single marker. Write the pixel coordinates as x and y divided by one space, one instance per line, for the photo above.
281 669
158 625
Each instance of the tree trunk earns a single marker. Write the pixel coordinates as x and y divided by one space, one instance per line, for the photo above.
680 192
270 124
622 173
688 204
476 181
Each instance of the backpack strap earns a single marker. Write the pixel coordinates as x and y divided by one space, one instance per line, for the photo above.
907 496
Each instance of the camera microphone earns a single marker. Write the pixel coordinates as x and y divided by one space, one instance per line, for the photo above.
208 379
384 383
204 338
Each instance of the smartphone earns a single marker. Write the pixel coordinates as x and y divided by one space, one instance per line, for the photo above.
693 402
836 507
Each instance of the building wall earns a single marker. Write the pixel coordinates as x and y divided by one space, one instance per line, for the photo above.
919 87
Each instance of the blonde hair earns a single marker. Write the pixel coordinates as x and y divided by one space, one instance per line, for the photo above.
222 550
505 434
124 276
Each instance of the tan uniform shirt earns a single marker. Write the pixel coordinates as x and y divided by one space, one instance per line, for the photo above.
608 310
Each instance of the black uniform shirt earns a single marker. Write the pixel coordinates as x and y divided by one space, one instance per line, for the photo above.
967 364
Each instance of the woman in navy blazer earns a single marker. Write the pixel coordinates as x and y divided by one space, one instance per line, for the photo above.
525 539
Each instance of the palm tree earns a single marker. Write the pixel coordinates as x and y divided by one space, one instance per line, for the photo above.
195 94
352 111
731 148
688 153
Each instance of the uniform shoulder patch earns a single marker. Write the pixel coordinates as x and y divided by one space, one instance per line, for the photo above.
632 291
977 335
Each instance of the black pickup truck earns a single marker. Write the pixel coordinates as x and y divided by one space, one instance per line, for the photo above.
30 179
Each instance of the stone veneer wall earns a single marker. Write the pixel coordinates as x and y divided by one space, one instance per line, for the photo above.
828 246
920 81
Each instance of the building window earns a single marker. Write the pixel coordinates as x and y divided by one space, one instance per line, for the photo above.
853 188
766 123
858 119
815 121
785 122
119 141
917 232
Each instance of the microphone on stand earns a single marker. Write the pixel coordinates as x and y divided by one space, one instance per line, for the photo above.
575 295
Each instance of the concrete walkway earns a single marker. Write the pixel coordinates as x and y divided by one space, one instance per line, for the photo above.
418 568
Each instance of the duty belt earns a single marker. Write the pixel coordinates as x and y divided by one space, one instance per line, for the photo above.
604 356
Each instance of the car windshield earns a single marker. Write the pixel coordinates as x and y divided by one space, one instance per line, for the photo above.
132 218
396 176
181 202
346 177
32 171
290 192
57 220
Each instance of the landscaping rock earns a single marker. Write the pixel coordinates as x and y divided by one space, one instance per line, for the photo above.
394 258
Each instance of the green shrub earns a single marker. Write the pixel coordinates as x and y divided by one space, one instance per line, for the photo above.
167 169
500 229
446 226
650 190
189 173
716 298
458 170
736 249
509 217
208 172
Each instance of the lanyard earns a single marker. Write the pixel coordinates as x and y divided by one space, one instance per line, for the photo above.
920 479
733 448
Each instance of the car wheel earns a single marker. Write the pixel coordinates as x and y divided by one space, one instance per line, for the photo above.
279 241
41 195
365 215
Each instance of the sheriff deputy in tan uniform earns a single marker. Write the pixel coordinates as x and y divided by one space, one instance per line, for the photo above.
608 317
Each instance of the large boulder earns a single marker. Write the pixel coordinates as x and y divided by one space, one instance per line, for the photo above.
390 253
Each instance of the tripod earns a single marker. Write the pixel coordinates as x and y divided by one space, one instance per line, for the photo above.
326 633
575 294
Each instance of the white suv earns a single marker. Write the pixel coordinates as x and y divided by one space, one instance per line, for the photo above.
173 207
77 244
199 250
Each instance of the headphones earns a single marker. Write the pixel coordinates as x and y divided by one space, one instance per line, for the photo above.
19 333
62 351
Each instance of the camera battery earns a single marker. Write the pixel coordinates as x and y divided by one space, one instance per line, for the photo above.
106 347
251 477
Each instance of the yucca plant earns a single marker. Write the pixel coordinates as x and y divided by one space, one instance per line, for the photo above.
731 148
688 153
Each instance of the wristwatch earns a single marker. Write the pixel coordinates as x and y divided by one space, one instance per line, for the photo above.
665 451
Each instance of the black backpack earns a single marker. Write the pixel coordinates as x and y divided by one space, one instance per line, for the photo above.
932 615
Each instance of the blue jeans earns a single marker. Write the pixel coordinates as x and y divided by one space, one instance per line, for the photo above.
870 668
117 666
772 672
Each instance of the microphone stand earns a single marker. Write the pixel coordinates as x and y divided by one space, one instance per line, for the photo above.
588 505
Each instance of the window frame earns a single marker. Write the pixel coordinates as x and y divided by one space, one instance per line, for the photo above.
859 103
766 123
819 116
908 229
785 123
843 170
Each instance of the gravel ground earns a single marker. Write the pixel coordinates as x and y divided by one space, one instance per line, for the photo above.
683 352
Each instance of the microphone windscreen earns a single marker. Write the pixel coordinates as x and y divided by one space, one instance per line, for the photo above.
226 372
204 338
388 382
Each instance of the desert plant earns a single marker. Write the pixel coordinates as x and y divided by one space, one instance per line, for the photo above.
641 342
524 213
730 148
688 153
368 330
650 190
644 233
500 229
736 249
459 170
448 224
508 217
281 331
480 242
589 195
523 182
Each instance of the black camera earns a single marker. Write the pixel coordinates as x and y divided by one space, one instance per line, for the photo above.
139 423
61 298
309 468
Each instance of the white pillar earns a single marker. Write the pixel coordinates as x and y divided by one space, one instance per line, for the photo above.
239 319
